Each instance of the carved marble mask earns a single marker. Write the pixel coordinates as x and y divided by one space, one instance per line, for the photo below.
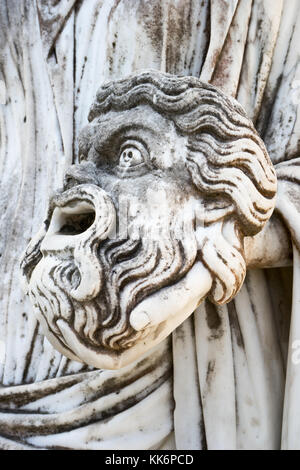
172 176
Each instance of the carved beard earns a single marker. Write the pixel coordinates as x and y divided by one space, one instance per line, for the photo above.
131 270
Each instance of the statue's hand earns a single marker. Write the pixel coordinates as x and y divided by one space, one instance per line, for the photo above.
182 298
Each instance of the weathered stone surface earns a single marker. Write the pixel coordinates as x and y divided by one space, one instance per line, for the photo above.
172 176
53 57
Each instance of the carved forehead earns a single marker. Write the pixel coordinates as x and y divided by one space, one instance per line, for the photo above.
140 119
107 133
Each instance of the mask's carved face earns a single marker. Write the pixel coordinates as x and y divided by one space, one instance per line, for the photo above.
172 177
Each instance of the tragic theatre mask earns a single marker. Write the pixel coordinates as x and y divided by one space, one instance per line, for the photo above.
171 177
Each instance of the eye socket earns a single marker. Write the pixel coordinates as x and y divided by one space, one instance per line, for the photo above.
130 156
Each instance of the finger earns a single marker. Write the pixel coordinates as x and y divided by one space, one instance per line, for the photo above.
173 300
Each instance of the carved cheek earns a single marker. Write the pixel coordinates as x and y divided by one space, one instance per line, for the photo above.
73 211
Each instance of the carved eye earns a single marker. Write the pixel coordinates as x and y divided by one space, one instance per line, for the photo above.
130 156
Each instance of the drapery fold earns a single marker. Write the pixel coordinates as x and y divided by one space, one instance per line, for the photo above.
93 410
228 361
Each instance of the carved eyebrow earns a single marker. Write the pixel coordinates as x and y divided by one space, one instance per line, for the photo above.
112 139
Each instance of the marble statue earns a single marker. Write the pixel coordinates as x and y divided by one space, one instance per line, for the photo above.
110 278
162 309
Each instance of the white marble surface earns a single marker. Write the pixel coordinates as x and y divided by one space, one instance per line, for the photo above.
50 75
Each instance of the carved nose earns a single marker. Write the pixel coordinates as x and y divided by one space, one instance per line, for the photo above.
82 217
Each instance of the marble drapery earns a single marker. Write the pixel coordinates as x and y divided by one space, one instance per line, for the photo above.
53 58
